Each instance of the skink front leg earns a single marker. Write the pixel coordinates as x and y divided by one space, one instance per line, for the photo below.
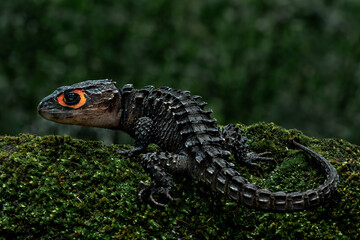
143 135
159 166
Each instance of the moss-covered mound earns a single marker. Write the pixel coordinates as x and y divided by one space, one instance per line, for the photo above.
57 187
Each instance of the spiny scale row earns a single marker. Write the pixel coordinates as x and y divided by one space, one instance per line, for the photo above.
229 182
196 125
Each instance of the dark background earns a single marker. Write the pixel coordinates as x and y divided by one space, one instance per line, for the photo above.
294 63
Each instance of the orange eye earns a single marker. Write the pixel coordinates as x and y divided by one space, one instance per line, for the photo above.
72 99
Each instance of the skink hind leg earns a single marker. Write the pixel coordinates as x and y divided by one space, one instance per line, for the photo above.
235 142
252 157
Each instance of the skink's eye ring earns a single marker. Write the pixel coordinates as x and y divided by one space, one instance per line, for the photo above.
72 98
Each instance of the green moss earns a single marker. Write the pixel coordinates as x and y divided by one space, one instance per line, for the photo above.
59 187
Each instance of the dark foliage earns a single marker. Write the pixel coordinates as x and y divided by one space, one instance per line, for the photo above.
294 63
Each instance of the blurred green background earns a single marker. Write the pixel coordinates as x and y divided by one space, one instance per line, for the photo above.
295 63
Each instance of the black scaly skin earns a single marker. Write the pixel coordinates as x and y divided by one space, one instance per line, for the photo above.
193 145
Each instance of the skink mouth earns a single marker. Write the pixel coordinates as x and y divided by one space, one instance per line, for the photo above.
45 110
58 115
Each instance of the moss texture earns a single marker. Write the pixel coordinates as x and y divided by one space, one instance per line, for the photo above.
56 187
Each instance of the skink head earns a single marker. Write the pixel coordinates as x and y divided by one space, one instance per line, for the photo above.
93 103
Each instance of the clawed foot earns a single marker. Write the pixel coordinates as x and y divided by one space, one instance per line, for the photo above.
130 152
252 157
124 152
154 190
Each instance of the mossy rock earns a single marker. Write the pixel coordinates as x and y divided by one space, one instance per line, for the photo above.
56 187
